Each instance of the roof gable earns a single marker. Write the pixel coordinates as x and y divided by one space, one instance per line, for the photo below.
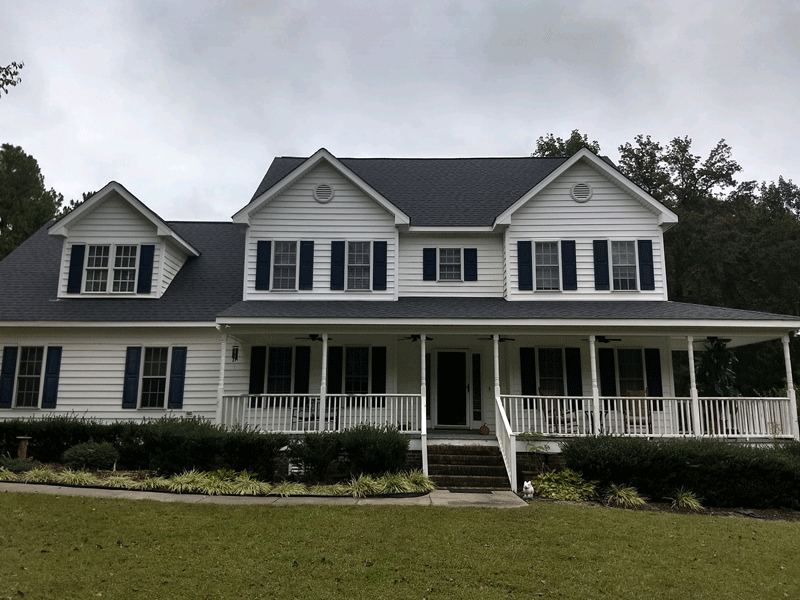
113 189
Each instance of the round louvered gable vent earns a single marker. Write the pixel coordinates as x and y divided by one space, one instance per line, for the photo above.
581 192
323 193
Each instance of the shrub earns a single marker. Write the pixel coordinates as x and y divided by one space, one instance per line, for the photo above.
249 450
92 456
625 496
563 485
315 452
374 450
15 465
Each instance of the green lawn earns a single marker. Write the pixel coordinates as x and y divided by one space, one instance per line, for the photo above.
70 547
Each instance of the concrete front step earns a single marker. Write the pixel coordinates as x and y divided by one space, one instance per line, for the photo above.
491 483
475 470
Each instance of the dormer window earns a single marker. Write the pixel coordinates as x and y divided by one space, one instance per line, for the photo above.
284 271
122 276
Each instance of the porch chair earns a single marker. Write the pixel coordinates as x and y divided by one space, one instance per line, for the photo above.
638 412
560 418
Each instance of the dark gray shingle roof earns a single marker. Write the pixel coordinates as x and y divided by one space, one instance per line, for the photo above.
494 309
203 287
440 192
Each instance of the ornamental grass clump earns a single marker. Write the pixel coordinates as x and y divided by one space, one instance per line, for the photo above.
70 477
362 486
289 488
563 485
39 475
187 482
686 499
625 496
393 483
7 475
420 481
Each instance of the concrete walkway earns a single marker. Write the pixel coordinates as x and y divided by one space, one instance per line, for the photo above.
493 499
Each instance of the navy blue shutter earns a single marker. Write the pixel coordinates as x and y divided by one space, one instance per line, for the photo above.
569 265
335 354
652 367
177 377
302 368
601 265
7 376
524 266
258 367
470 264
572 357
527 369
429 264
307 265
337 265
75 269
146 254
608 372
379 266
646 272
263 259
379 370
130 391
52 369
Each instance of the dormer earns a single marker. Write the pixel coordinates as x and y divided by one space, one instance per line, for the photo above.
114 246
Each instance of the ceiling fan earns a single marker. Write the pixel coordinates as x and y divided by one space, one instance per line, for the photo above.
713 338
414 337
314 337
502 338
603 339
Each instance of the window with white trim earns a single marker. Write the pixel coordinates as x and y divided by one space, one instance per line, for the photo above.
450 261
284 268
630 369
358 266
623 265
356 370
100 277
279 370
551 371
29 377
154 377
547 267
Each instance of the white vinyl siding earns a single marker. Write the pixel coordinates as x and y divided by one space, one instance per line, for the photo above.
490 265
611 214
350 216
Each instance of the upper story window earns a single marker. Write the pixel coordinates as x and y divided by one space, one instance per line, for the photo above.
100 277
547 267
284 271
358 266
450 264
623 265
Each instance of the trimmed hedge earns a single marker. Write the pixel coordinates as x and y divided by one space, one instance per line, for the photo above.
723 474
93 456
375 450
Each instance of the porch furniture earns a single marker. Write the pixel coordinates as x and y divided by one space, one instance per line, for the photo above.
638 412
562 417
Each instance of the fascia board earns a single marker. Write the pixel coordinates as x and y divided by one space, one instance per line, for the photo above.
243 215
66 325
61 228
451 230
666 217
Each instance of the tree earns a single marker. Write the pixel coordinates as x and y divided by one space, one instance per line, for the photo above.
551 146
25 204
73 204
9 76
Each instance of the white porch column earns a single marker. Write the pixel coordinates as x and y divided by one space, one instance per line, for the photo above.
423 390
696 426
323 384
595 388
496 341
787 357
223 343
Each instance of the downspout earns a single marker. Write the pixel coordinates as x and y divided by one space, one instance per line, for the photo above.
423 390
223 344
787 357
693 383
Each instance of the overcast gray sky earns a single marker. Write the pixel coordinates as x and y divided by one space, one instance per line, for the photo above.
187 102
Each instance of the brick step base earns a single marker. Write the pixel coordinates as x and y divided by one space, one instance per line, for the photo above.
478 467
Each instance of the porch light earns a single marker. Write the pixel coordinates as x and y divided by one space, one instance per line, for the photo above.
235 353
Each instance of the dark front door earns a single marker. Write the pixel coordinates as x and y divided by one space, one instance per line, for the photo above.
451 388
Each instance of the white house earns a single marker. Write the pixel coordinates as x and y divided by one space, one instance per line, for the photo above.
433 295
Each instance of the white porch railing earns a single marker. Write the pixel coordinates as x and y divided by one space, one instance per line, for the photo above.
507 440
650 417
303 413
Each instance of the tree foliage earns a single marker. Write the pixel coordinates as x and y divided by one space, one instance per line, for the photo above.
551 146
9 76
25 203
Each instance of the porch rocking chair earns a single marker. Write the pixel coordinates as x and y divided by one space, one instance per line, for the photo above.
560 418
638 412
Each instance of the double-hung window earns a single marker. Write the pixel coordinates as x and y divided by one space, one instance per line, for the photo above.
101 276
623 265
358 265
630 366
551 371
450 264
154 377
547 267
284 269
279 370
29 377
356 370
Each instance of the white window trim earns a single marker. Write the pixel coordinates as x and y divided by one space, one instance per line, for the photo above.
558 267
141 378
439 264
112 254
347 265
563 367
611 242
617 365
296 287
369 370
41 378
291 376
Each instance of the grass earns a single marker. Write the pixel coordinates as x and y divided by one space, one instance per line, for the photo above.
74 547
